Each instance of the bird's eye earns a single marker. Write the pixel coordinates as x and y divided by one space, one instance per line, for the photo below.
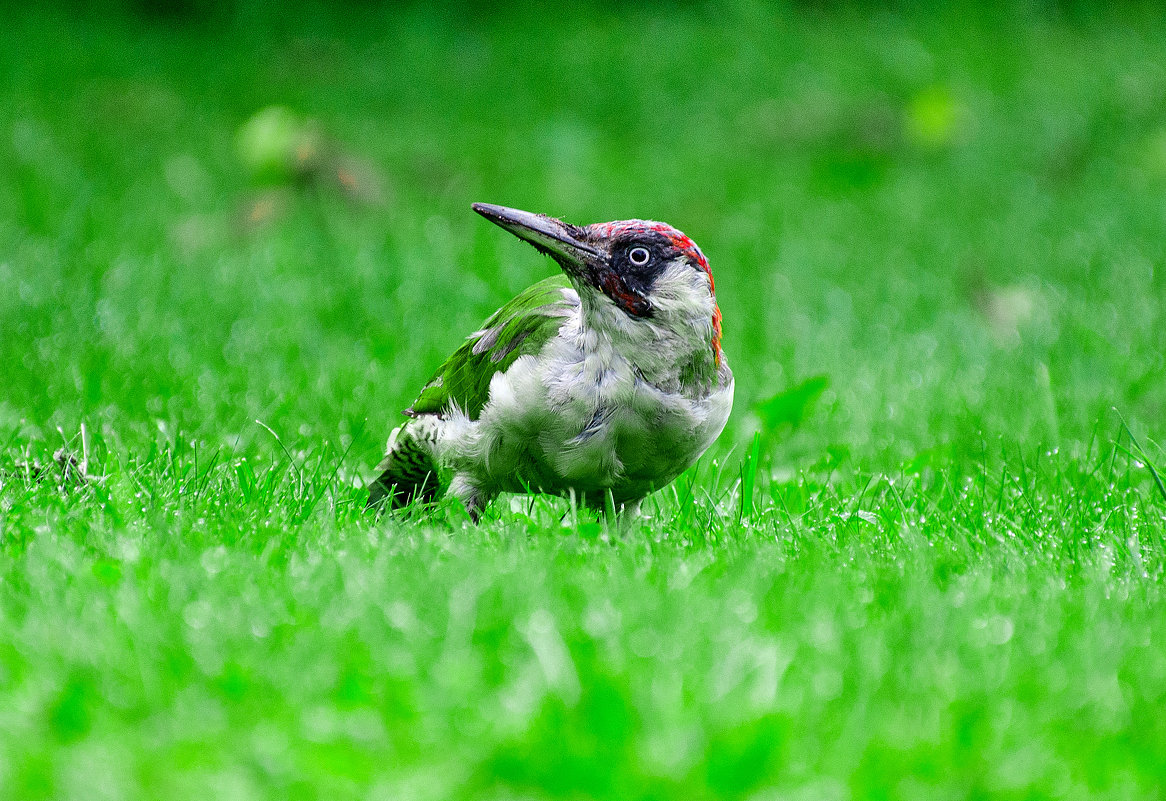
639 256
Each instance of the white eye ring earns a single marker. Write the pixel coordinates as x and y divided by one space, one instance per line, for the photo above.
639 256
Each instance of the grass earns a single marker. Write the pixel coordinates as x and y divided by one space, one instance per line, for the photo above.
924 561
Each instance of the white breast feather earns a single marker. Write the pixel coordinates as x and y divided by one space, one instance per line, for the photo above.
579 415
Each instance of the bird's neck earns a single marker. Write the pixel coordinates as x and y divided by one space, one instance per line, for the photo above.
674 356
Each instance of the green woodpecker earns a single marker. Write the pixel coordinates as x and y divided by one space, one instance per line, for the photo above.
604 382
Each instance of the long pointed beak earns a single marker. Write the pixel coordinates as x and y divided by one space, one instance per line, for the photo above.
548 235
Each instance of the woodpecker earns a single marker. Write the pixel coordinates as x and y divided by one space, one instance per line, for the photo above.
604 382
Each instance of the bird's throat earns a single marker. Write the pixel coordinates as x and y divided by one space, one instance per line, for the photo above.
629 299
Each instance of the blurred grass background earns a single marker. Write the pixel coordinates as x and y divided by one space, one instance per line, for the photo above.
938 243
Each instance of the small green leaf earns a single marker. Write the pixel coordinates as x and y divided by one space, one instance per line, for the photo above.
792 406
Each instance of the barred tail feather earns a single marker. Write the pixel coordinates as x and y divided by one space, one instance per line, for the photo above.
408 472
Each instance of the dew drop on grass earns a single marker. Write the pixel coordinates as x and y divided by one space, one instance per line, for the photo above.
401 616
198 614
214 559
996 629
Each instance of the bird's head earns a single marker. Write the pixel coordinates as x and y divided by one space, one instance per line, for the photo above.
635 275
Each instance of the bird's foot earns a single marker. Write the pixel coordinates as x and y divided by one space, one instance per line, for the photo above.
472 496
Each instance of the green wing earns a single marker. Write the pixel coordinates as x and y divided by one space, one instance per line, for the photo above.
520 327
